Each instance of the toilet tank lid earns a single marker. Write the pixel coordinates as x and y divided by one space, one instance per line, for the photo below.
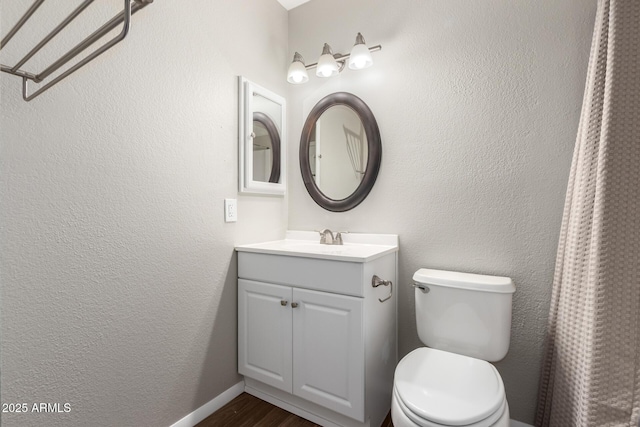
476 282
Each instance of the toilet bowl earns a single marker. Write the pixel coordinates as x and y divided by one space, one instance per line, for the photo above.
465 320
433 388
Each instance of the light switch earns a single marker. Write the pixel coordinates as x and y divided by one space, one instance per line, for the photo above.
230 210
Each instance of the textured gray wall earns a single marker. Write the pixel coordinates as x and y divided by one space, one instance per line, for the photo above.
117 273
478 105
117 270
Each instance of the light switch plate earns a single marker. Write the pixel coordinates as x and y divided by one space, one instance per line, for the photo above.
230 210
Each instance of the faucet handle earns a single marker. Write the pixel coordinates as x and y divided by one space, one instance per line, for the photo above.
323 236
338 239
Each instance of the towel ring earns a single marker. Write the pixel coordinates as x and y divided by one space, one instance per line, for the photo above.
376 281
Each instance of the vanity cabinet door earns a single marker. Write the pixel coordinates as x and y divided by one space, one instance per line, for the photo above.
264 333
328 351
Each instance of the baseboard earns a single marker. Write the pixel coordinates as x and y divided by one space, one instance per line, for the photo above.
514 423
210 407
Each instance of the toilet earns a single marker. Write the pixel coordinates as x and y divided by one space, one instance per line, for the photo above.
465 322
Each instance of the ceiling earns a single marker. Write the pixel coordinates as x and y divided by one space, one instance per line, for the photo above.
290 4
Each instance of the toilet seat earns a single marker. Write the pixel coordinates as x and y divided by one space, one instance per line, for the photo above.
436 388
494 420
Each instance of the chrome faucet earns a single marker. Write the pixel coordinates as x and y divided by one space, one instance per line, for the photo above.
323 237
327 237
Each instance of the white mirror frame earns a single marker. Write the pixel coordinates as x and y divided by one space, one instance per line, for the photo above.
245 141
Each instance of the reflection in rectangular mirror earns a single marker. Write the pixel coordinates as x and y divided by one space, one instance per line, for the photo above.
261 140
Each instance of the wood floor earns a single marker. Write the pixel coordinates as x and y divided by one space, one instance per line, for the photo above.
249 411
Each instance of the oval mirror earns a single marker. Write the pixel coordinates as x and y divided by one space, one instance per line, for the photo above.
266 149
340 152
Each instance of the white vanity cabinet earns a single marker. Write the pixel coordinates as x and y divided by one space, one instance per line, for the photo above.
314 336
304 342
265 347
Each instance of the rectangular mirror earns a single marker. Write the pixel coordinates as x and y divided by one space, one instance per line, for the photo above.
262 140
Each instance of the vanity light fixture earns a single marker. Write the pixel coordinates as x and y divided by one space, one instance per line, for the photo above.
360 55
297 72
331 64
327 64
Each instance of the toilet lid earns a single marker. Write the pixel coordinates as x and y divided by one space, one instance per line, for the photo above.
448 388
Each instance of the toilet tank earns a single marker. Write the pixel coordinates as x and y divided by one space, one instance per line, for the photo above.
464 313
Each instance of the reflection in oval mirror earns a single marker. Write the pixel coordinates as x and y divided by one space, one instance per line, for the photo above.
340 152
266 149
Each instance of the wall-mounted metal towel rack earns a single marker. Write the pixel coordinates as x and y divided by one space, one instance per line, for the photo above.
124 18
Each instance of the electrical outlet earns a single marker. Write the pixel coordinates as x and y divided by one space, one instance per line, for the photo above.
230 210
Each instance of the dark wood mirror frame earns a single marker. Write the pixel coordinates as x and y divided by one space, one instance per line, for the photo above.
272 130
374 154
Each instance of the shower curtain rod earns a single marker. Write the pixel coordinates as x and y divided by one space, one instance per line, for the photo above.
124 17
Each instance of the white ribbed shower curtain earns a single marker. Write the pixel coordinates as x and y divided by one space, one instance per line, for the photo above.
591 372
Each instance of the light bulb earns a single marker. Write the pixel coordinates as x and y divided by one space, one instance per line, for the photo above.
326 72
358 63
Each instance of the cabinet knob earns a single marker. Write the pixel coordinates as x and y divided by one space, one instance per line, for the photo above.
284 302
294 304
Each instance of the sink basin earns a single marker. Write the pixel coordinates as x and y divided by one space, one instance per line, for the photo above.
356 248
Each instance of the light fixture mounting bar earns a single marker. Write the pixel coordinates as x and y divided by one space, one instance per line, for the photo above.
343 57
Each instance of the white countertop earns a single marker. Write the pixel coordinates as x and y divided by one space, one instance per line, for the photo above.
357 247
